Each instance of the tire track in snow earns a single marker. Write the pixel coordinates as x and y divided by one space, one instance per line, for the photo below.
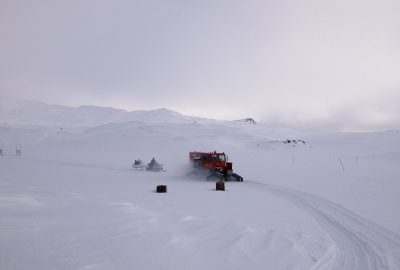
359 243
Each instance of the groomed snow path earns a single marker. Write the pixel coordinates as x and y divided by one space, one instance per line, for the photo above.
359 243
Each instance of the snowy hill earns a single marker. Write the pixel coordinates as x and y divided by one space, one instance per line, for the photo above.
72 200
17 112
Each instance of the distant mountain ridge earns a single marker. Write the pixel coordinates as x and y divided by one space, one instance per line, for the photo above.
23 112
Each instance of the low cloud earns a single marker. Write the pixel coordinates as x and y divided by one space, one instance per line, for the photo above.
312 64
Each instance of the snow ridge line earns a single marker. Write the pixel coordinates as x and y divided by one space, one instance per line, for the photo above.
359 243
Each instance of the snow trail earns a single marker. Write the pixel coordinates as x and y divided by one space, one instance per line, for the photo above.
358 242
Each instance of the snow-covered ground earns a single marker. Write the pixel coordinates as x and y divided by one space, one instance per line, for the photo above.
72 200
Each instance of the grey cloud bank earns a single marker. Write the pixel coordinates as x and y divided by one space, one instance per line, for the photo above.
305 64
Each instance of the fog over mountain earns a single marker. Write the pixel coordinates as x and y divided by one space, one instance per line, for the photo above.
319 65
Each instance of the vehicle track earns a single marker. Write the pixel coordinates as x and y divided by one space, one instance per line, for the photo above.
359 243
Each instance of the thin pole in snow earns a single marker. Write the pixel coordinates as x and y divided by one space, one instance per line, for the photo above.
341 164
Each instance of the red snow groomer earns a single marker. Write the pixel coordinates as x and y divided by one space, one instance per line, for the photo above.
214 164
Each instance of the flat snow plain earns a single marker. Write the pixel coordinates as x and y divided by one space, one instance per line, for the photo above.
72 200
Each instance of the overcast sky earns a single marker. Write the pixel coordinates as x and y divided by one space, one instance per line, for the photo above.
308 64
